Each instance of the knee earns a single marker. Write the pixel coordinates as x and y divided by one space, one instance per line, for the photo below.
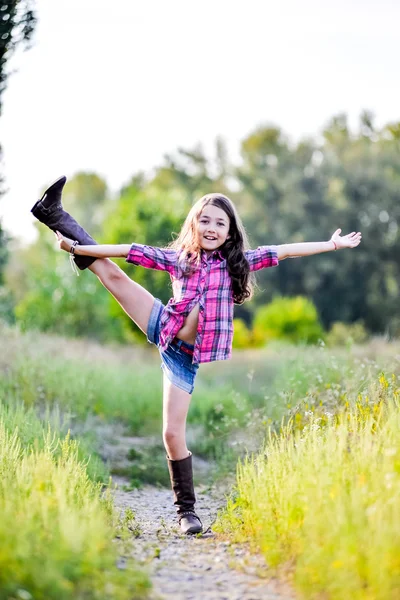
111 273
115 272
173 437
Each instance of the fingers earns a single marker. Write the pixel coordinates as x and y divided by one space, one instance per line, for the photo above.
351 240
354 238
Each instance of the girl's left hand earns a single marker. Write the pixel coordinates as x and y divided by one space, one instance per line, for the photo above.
351 240
64 242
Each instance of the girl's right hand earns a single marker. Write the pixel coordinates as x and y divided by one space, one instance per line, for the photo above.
64 242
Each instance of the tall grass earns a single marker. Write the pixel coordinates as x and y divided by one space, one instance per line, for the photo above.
56 531
322 497
232 401
33 429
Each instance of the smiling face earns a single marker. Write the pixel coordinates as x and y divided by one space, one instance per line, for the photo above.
212 228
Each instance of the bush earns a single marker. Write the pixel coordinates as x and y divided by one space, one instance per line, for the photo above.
342 334
292 319
242 337
6 305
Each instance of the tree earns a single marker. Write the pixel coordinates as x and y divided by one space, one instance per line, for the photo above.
17 23
303 192
85 196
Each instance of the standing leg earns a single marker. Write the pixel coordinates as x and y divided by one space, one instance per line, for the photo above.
175 408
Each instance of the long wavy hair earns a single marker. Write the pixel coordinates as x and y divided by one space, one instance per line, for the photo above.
232 250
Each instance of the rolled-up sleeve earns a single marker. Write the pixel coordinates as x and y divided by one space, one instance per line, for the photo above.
162 259
262 257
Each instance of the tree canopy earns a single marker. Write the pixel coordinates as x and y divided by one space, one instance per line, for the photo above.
284 192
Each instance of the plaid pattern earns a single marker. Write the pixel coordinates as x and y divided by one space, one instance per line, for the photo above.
209 287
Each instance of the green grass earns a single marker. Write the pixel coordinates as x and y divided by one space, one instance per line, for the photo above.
33 431
57 530
232 402
49 385
322 498
109 391
58 527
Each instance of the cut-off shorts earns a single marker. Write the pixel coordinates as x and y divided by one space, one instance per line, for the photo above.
176 360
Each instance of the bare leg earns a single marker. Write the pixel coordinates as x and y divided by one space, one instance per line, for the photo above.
134 299
175 409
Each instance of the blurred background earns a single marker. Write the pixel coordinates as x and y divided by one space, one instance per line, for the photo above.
289 108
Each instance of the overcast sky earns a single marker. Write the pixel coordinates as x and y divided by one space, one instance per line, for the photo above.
112 86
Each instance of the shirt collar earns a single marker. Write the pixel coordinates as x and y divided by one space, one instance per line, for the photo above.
215 254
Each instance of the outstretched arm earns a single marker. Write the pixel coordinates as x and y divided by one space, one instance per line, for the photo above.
336 242
98 251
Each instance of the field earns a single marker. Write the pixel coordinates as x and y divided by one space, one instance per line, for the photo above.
322 425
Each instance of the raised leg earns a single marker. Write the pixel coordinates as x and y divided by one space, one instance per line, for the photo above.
136 301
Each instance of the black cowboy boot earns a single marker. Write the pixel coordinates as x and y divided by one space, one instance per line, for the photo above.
181 475
49 210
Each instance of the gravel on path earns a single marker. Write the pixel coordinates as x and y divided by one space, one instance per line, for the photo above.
190 567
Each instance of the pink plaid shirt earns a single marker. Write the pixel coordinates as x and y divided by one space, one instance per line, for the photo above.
209 287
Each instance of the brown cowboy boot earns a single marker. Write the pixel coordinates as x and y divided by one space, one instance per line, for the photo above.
181 474
49 210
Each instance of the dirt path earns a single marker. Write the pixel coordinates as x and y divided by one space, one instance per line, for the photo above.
186 567
192 568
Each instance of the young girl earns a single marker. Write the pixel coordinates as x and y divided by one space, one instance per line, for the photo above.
211 268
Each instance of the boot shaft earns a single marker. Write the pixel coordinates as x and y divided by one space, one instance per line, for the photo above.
181 474
56 218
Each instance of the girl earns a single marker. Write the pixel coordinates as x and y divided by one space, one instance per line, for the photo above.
211 268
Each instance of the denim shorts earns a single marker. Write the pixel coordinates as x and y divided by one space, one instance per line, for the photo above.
176 360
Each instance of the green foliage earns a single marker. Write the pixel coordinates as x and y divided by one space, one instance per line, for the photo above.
6 306
346 334
48 295
292 319
3 252
33 426
148 466
55 299
242 337
302 193
40 375
317 494
86 196
145 215
60 544
284 192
